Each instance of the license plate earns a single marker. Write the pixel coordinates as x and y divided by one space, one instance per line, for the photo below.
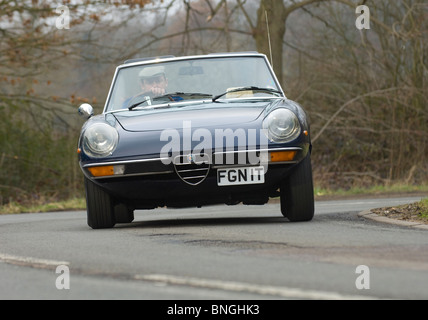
241 175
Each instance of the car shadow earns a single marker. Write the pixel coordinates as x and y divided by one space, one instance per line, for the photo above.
208 221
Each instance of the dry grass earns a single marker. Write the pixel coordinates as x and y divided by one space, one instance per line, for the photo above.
417 211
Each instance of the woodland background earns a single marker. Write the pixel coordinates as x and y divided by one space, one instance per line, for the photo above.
365 91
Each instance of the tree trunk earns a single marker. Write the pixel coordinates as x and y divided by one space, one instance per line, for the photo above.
276 16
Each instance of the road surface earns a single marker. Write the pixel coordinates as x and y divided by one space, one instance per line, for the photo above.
219 252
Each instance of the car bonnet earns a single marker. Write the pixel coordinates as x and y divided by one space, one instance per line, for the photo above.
214 115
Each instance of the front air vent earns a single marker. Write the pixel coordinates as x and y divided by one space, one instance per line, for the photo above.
191 168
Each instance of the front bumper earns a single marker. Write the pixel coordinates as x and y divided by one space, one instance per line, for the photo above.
150 183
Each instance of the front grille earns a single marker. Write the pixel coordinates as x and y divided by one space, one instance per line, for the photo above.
192 169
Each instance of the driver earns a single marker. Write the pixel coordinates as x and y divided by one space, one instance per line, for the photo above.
153 84
153 81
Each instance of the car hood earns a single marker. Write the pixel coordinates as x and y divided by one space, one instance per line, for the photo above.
204 115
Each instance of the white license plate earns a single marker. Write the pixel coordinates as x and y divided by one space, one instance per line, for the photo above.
240 175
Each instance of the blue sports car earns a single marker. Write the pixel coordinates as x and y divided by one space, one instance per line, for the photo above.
195 131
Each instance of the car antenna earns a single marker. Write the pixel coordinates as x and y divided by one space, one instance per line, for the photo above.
270 48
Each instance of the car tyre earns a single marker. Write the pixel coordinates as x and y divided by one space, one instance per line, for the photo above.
297 193
99 206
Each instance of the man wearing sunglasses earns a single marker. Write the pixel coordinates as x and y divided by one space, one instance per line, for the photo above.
153 84
153 80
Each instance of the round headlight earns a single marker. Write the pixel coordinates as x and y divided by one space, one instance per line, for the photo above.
100 140
281 125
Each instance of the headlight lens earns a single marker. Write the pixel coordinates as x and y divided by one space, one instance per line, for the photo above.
281 125
100 140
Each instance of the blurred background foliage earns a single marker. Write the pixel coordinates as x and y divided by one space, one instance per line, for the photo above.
365 91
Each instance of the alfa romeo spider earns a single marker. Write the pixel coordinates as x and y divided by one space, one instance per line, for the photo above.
195 131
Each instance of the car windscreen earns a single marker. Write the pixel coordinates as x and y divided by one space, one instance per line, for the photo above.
190 79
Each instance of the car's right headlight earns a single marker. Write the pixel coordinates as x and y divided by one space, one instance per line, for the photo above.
100 140
281 125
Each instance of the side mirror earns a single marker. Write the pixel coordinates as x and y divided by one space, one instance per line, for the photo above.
85 110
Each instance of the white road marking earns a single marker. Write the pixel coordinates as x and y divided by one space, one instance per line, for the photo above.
283 292
278 291
31 262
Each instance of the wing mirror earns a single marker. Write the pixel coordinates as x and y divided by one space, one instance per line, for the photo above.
86 111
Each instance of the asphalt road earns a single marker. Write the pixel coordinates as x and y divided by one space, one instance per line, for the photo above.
218 252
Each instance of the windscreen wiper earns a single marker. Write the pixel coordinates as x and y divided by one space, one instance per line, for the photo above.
171 96
253 88
146 99
180 94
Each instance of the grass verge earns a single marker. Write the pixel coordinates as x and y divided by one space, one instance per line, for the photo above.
374 191
320 194
417 212
70 204
424 208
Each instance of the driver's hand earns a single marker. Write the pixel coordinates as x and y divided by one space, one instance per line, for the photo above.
156 91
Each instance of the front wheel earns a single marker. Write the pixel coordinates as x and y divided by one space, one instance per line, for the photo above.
297 193
99 206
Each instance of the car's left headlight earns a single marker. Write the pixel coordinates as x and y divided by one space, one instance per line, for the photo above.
281 125
100 140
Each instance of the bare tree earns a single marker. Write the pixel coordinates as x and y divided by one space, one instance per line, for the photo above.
38 76
365 91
